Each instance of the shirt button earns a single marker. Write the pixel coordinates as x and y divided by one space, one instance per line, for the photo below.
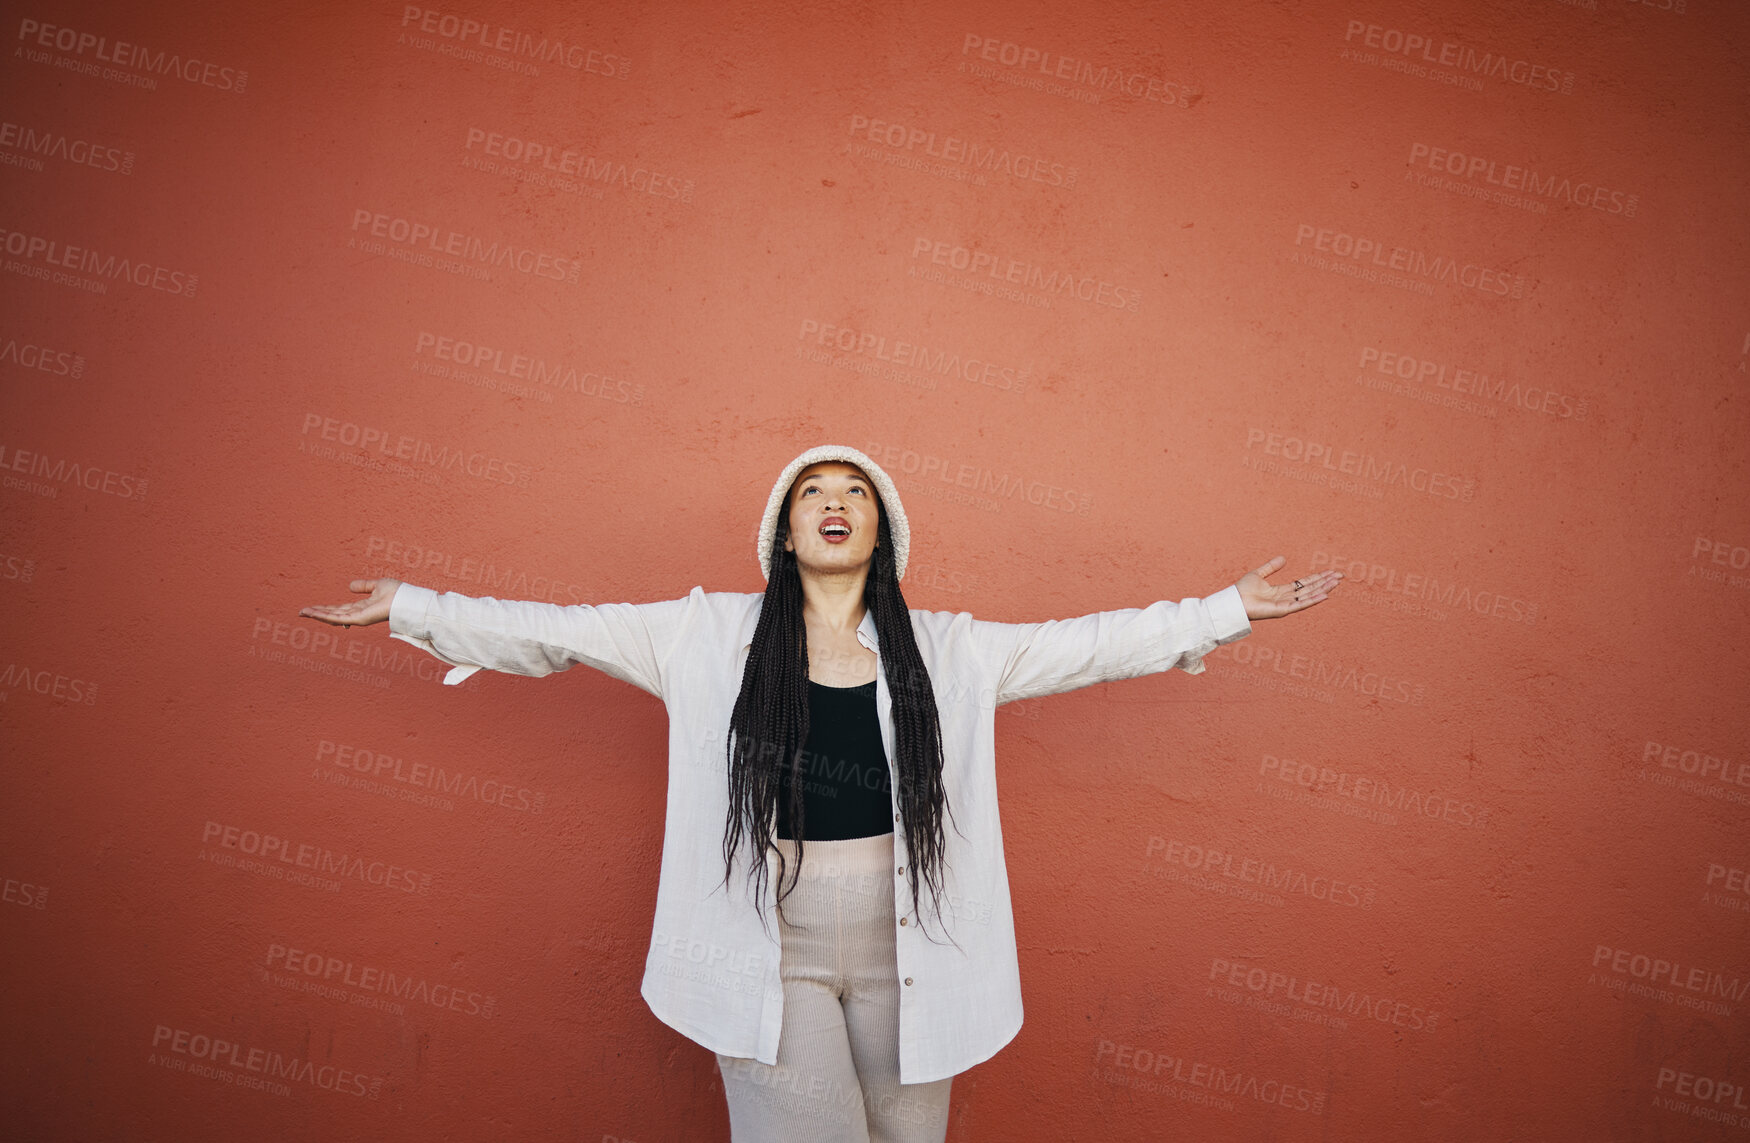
902 869
895 817
902 920
908 982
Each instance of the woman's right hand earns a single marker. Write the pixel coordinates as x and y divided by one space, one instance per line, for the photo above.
359 612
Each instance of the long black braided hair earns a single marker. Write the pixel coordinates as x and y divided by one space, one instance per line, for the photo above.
769 725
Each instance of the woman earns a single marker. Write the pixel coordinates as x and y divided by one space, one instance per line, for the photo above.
841 978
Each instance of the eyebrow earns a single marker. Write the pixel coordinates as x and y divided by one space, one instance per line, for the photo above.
846 476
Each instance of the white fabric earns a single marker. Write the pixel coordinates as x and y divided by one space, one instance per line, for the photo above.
711 972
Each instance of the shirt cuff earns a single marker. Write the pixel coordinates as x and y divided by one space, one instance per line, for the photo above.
1228 612
407 610
407 622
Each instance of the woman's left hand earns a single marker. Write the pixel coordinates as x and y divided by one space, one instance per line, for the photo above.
1268 601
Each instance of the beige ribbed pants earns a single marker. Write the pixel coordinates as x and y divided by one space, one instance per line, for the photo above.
837 1075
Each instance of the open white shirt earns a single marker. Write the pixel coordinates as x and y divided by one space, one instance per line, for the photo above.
712 971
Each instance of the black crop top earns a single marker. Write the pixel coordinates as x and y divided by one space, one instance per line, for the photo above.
846 790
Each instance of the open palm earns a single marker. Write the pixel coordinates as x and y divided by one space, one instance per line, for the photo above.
360 612
1273 601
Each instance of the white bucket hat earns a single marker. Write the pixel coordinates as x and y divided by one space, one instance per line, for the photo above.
897 527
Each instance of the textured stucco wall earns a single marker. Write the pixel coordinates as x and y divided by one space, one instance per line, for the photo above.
1128 300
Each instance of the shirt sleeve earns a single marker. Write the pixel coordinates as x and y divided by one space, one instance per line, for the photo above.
1034 659
630 641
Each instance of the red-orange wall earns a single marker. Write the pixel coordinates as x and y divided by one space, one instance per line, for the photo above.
1497 785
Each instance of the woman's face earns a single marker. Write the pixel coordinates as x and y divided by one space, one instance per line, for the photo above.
832 492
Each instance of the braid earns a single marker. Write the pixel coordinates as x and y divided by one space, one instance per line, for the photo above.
769 726
917 731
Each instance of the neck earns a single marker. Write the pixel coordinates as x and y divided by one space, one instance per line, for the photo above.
834 600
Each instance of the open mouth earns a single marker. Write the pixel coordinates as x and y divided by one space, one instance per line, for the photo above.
835 533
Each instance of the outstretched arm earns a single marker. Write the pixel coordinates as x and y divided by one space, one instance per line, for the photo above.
630 641
1034 659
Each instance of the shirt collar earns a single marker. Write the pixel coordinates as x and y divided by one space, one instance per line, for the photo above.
865 631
